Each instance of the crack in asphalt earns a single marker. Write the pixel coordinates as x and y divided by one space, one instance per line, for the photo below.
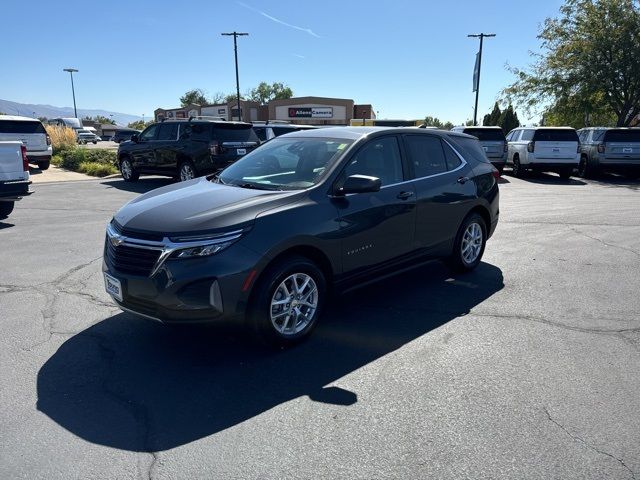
586 444
575 230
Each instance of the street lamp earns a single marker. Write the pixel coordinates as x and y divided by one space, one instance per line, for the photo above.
73 92
235 50
476 72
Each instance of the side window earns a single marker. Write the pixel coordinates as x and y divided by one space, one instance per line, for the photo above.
453 160
379 158
426 155
598 135
516 135
149 133
168 131
261 133
199 131
527 135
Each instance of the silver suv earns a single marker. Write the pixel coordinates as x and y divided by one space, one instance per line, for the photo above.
611 149
32 134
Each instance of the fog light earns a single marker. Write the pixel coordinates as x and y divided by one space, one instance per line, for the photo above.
215 297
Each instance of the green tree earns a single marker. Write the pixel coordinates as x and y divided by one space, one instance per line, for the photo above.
433 122
139 124
508 120
195 96
590 52
264 92
493 118
447 126
468 123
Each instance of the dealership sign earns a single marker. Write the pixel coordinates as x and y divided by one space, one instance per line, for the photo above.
311 112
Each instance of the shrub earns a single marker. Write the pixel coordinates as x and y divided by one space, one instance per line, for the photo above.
97 169
56 160
72 158
101 155
62 138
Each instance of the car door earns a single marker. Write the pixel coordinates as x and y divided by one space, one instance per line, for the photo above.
142 152
165 151
445 188
377 226
512 139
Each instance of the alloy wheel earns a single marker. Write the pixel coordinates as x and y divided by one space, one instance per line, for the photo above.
471 243
187 172
126 169
294 304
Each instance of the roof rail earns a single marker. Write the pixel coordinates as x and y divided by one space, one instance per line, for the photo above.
207 117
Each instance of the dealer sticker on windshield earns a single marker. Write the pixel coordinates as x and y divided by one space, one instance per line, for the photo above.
113 286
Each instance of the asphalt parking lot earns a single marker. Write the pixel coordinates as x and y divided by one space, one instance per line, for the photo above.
525 368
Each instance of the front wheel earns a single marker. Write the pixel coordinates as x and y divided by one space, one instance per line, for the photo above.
6 208
127 171
288 302
186 171
469 244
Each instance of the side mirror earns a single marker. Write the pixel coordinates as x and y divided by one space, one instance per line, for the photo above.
135 138
360 184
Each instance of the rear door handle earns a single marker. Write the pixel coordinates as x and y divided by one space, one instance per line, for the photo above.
404 195
463 180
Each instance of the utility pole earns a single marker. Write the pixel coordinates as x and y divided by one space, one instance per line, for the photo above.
235 50
73 92
476 76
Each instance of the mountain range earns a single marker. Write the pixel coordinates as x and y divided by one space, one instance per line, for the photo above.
49 111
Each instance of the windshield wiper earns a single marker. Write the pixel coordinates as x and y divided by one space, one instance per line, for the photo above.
256 186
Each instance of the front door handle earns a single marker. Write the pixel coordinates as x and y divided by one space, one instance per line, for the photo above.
463 180
404 195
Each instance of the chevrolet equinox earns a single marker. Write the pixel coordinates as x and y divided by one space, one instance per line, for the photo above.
265 240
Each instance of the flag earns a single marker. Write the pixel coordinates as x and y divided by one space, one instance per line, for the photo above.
476 73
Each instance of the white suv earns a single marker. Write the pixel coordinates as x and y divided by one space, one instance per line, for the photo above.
543 149
32 134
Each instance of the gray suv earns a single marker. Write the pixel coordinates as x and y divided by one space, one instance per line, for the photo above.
609 149
493 143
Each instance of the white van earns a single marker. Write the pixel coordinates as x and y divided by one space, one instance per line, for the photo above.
32 134
543 149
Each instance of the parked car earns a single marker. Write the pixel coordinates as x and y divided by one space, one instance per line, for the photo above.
185 148
493 143
85 136
124 134
14 175
611 149
268 130
265 240
543 149
32 134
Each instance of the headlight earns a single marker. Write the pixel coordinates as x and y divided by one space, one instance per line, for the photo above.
202 245
201 251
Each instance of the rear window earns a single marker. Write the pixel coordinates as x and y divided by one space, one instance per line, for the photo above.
18 126
235 133
470 148
552 135
622 135
489 134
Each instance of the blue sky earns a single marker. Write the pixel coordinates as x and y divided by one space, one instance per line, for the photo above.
408 58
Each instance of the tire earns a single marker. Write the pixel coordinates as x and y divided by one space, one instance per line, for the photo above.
565 174
186 171
585 170
129 174
6 208
472 234
272 322
500 169
517 169
44 165
95 142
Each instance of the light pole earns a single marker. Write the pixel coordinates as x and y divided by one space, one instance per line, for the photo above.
73 92
235 50
476 76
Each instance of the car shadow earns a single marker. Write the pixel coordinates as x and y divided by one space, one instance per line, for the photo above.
616 181
143 185
4 225
34 170
549 179
140 386
502 180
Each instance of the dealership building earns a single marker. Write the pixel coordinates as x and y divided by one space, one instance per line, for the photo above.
301 110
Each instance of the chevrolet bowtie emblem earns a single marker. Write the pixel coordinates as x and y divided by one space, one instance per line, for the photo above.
116 240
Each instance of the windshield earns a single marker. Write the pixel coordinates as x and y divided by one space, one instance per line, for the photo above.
285 163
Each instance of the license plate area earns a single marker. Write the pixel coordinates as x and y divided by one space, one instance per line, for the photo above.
113 286
627 150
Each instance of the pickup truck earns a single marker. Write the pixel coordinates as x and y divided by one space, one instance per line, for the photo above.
14 175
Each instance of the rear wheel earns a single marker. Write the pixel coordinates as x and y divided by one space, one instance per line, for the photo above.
585 170
6 208
128 172
44 165
469 244
289 300
565 174
518 171
186 171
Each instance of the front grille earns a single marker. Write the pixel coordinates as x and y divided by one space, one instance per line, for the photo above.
131 260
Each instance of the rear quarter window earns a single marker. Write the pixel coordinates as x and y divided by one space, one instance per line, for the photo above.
551 135
18 126
469 148
622 135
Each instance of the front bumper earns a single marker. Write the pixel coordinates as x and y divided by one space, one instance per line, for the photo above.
201 290
14 190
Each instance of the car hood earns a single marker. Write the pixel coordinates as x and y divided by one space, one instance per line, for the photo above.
198 206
